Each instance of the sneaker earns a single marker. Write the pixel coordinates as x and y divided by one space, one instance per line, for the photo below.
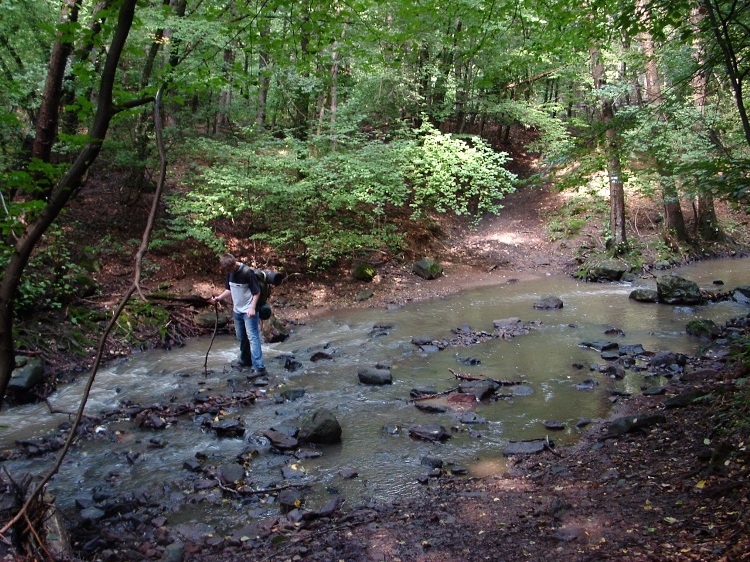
255 373
239 365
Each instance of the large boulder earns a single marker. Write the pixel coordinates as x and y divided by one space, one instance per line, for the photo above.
209 320
703 328
364 272
273 330
549 303
29 373
643 294
320 427
673 289
429 432
375 376
742 294
427 269
626 424
529 447
608 270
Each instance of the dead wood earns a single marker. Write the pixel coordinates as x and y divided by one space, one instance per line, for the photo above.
435 395
464 377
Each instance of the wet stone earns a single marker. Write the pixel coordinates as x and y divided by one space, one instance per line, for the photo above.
231 473
422 391
600 345
348 473
192 465
549 303
430 408
229 428
654 391
292 472
432 462
522 390
429 432
291 499
281 440
525 447
588 384
292 394
471 418
92 514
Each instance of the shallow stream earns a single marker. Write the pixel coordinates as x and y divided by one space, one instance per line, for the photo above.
547 360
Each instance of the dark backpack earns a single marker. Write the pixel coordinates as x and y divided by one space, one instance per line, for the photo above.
265 287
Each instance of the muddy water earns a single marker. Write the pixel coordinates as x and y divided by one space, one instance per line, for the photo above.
547 361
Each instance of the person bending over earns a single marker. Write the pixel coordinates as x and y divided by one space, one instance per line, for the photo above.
242 285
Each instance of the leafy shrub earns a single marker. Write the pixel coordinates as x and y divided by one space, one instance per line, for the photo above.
52 277
328 198
457 175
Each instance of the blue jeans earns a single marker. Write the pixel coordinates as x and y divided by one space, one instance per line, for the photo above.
248 334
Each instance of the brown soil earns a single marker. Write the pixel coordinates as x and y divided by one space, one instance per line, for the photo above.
678 491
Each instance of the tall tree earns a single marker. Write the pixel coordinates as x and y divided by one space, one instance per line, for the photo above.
612 155
675 230
61 191
728 21
707 224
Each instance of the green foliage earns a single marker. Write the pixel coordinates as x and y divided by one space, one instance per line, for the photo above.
142 321
553 139
324 200
53 278
296 197
462 176
578 211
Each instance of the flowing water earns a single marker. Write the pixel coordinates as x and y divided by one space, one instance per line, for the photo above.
547 361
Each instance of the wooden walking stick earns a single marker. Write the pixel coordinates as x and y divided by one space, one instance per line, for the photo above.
213 337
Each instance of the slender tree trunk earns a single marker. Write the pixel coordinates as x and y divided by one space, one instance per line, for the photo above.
675 231
82 54
49 112
264 80
60 194
137 178
221 120
334 82
614 167
723 30
301 102
707 223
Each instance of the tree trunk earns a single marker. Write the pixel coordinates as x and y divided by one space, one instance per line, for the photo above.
49 112
707 224
301 105
264 80
61 192
724 30
221 120
334 82
675 231
137 178
82 53
619 240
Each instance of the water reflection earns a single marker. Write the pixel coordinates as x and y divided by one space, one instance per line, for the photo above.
548 361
